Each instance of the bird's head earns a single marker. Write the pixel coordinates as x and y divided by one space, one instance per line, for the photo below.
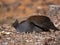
15 24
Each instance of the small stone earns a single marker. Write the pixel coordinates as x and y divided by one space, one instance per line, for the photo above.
4 33
27 41
8 38
5 43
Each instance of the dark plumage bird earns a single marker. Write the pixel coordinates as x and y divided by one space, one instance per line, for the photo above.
41 22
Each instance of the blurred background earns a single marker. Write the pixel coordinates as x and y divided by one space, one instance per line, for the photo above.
10 10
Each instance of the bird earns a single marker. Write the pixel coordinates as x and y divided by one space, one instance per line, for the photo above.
42 22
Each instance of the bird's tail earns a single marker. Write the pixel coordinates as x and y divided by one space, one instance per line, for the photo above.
55 28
